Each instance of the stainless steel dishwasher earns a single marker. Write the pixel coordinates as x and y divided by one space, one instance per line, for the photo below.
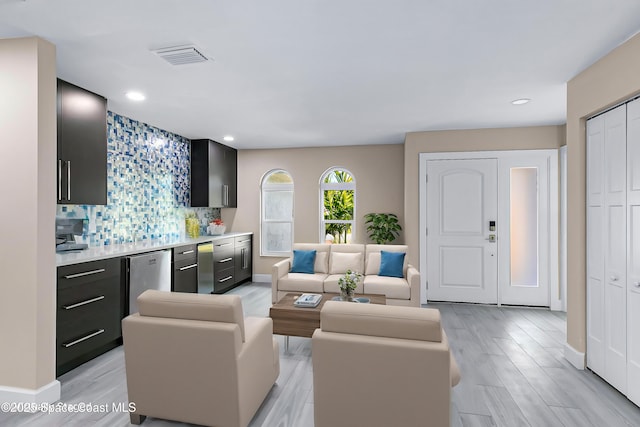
147 271
205 268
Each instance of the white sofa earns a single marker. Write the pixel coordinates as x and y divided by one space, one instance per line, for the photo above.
333 260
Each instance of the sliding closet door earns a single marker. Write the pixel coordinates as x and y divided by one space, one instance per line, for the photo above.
633 251
615 257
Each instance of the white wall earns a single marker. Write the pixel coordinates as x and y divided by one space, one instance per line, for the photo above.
27 220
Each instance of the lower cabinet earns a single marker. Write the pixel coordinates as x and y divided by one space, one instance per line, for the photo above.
184 274
224 272
90 307
231 262
243 251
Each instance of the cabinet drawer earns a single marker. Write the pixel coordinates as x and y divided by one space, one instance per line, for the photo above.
243 240
184 252
223 260
88 316
87 272
92 337
223 244
82 303
224 278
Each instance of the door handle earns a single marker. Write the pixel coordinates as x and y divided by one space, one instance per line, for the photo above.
636 284
86 273
79 304
225 195
613 278
68 179
491 238
59 180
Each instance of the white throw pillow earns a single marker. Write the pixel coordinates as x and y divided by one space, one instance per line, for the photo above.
320 265
343 261
373 263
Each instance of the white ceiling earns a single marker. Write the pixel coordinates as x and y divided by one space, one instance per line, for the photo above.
290 73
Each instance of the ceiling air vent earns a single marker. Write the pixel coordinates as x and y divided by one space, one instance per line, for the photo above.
181 55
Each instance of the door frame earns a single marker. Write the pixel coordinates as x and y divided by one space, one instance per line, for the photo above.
555 294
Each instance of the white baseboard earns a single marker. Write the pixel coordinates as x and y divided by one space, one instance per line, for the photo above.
574 357
47 394
556 305
262 278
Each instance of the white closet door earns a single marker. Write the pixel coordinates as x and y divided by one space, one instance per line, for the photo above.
633 251
595 245
615 256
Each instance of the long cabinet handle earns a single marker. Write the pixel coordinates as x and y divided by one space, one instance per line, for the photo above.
225 279
224 244
59 180
86 337
225 260
86 273
68 179
188 267
186 252
89 301
244 241
225 195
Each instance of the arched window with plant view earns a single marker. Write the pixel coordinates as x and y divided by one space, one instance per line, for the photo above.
276 218
338 206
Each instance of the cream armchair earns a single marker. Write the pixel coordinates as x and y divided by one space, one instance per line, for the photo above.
377 365
194 358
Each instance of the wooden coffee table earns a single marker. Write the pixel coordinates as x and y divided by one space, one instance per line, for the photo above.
289 320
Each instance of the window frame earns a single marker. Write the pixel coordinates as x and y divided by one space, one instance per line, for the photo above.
267 187
325 186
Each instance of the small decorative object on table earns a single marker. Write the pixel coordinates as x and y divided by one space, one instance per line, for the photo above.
348 284
308 300
192 225
217 227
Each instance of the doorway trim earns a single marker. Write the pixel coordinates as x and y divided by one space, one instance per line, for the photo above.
555 294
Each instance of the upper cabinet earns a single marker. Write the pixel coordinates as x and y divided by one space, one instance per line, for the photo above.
82 146
214 168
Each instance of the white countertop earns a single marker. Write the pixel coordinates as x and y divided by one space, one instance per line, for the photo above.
111 251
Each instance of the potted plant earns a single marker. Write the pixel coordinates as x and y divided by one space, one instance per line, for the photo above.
382 227
348 284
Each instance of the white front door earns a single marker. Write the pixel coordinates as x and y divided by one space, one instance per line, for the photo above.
462 201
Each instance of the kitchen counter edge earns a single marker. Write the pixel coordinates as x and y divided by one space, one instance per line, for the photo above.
97 253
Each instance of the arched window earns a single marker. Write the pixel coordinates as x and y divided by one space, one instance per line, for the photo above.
276 219
338 206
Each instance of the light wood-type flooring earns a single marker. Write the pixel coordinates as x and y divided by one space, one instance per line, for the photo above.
513 374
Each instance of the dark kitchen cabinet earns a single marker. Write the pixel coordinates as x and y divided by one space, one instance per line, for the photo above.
214 169
82 146
90 307
243 260
184 274
224 272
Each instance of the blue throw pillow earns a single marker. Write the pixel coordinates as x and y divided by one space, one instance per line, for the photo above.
391 264
303 261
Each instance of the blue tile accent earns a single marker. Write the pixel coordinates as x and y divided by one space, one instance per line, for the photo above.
148 196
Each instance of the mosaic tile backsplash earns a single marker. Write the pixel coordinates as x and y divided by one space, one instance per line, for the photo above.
148 194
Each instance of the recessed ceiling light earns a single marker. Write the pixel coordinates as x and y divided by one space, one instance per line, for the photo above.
228 138
135 96
520 101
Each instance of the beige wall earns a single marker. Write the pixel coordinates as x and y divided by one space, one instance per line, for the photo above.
527 138
27 171
612 79
378 170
